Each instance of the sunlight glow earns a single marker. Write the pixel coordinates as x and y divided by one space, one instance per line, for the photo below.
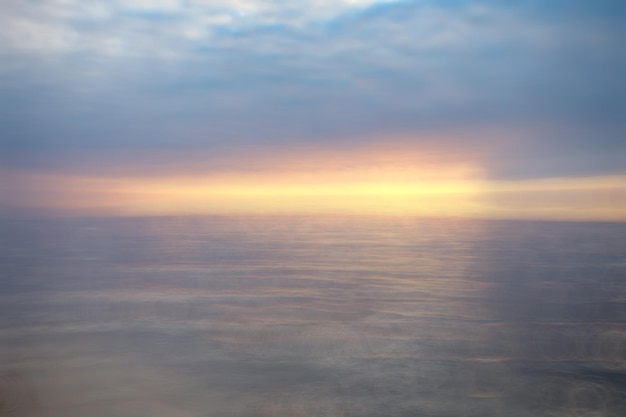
358 181
241 197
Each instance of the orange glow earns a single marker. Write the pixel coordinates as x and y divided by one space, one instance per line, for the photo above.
367 181
384 180
280 197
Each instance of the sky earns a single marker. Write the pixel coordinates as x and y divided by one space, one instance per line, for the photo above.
485 108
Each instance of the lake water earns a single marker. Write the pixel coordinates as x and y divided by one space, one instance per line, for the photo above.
309 316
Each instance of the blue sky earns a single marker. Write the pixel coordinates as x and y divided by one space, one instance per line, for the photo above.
96 87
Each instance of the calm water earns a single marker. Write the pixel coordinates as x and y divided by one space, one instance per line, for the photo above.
312 317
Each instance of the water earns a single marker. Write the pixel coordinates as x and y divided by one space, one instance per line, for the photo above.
312 316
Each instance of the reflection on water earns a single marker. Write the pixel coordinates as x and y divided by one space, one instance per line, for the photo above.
312 316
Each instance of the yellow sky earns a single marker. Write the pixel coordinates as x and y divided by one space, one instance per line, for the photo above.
368 181
596 198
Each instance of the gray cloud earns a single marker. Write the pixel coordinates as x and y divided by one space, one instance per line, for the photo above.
223 74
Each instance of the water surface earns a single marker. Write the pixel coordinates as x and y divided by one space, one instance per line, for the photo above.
311 316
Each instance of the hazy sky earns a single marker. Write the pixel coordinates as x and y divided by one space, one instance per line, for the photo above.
100 99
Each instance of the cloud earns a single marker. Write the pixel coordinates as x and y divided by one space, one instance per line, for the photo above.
210 75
